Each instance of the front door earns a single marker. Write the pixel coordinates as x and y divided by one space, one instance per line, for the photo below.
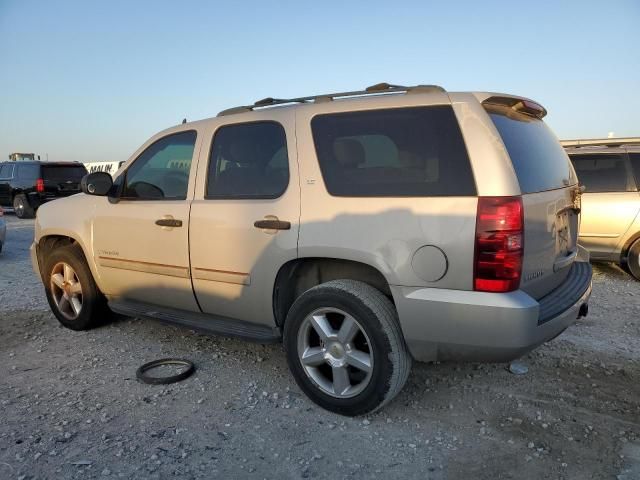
141 243
245 218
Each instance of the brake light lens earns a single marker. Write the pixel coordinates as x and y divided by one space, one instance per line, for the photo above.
499 244
40 185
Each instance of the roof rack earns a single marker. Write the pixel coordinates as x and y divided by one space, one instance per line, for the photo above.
601 142
377 89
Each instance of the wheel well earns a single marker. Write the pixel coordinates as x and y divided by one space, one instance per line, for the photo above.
48 244
624 251
297 276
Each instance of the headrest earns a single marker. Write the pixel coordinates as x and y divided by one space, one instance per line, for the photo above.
243 153
348 152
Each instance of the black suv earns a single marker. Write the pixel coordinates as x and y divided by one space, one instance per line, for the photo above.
26 185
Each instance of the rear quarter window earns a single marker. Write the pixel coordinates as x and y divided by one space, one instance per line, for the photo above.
539 161
400 152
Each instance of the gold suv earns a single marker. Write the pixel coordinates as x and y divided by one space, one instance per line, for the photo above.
609 169
363 229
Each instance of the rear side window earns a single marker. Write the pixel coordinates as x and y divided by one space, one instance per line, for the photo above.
6 170
538 159
248 160
604 173
29 172
63 173
400 152
635 165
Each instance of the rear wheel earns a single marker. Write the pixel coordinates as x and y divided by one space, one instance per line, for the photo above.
345 348
21 207
633 260
71 291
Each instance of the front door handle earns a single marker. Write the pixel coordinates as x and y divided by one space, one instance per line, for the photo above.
272 224
169 222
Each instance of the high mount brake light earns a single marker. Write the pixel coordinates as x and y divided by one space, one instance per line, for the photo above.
499 244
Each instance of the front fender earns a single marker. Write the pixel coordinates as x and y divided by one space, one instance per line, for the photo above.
70 217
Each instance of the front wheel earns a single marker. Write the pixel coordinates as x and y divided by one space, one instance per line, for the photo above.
71 291
633 260
345 347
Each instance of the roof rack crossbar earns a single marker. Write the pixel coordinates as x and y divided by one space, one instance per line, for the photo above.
377 89
601 142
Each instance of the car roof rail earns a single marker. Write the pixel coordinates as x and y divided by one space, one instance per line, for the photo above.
377 89
601 142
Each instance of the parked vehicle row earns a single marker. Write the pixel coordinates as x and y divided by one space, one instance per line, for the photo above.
363 229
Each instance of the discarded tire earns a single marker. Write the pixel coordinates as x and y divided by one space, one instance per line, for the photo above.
141 373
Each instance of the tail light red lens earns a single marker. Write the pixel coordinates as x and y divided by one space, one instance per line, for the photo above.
499 244
40 185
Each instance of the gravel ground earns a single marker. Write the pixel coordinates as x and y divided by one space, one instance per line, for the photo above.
72 408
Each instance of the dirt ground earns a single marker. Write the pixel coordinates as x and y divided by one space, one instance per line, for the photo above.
71 406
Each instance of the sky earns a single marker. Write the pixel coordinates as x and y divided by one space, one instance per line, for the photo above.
91 81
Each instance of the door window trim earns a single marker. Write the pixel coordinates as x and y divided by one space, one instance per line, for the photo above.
208 196
123 176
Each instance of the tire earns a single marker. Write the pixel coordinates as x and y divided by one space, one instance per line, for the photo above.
335 309
21 207
633 260
93 309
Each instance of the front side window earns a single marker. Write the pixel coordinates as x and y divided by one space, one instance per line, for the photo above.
161 172
399 152
248 160
604 173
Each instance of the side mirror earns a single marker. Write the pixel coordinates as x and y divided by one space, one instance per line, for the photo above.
96 183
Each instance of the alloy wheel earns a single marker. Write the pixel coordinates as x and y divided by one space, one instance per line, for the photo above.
66 290
335 352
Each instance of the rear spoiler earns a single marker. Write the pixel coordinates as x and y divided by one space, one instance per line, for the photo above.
520 105
601 142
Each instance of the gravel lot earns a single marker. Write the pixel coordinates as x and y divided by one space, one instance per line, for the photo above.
72 408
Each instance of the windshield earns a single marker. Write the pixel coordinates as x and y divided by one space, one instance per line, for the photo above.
538 159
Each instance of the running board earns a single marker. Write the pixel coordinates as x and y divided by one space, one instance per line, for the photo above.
208 324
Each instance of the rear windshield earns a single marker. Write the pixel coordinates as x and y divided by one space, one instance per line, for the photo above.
538 159
393 153
63 173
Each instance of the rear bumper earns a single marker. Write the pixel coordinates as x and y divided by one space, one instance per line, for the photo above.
440 324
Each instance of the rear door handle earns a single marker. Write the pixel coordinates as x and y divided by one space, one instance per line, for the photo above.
269 224
169 222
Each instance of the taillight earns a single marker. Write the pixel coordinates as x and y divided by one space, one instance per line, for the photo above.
40 185
499 244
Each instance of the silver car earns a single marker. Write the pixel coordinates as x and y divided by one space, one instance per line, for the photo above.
609 169
3 229
362 229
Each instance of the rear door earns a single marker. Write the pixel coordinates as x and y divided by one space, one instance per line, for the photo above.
245 217
610 202
550 197
62 180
